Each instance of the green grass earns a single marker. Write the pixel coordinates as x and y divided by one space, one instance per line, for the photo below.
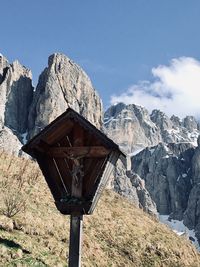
116 235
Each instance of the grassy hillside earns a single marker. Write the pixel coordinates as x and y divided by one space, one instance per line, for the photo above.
117 234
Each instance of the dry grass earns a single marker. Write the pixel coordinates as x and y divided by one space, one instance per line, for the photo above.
117 234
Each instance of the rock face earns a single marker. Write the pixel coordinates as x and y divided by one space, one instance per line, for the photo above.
169 164
3 67
131 186
172 177
192 213
145 200
61 85
133 128
16 93
190 123
174 130
9 142
121 183
167 175
24 112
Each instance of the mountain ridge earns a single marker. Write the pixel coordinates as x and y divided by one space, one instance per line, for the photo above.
139 129
167 163
26 110
62 84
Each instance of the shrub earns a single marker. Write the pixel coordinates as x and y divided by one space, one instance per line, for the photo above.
16 181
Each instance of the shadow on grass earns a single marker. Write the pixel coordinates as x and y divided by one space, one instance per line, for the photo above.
11 244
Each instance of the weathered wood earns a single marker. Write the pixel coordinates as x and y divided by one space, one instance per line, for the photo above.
51 175
78 135
61 178
53 133
68 208
77 168
76 191
42 146
60 130
92 176
65 172
75 241
78 152
72 154
113 157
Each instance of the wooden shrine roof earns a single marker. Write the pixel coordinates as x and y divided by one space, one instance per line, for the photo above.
63 125
75 158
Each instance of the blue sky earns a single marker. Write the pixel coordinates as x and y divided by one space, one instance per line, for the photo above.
117 42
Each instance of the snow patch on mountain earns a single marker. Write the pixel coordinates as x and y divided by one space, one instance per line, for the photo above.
180 229
133 128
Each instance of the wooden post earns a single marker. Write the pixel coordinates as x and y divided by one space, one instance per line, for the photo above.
76 221
75 240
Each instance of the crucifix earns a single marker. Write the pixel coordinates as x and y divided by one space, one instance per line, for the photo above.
76 220
76 160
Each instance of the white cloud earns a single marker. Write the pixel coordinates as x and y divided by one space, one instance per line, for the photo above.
175 89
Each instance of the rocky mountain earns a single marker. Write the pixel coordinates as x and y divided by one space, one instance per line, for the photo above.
165 175
133 128
165 155
166 170
61 85
25 110
131 186
16 94
172 176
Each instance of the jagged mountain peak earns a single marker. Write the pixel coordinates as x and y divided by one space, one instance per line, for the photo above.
59 62
18 69
64 84
61 85
134 128
117 108
3 67
3 62
16 93
14 65
158 112
131 127
55 56
3 58
177 122
190 123
161 119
